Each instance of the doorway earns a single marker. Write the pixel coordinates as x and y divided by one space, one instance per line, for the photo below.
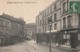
73 40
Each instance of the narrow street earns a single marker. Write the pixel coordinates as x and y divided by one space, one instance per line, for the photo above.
28 46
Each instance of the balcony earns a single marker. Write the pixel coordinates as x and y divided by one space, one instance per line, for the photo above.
67 28
76 26
70 27
64 27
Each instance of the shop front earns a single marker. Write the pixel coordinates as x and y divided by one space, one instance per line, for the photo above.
78 39
2 40
45 37
70 37
66 39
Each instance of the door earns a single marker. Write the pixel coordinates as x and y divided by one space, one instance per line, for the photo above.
73 40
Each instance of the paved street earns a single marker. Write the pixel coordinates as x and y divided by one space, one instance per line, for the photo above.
28 46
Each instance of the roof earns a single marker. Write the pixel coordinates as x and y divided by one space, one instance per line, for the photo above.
6 16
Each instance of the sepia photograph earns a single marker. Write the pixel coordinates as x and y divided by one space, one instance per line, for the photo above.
39 25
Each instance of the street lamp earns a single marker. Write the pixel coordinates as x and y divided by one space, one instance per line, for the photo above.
50 25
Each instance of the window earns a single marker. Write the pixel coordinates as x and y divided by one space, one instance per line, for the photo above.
66 36
50 19
55 7
8 24
43 22
55 26
49 27
46 21
64 22
45 28
79 19
64 7
40 22
55 17
4 22
39 30
69 21
45 13
50 9
1 21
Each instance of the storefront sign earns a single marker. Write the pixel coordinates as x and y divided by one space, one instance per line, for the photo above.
73 31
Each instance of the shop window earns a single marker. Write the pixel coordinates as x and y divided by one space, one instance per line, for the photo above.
64 36
68 36
66 39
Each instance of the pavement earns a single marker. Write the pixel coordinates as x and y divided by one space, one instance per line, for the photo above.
62 47
28 46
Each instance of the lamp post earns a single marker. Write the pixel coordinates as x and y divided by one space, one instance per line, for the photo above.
50 25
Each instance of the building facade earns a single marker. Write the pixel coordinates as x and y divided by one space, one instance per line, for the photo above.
54 12
30 30
11 29
65 27
69 26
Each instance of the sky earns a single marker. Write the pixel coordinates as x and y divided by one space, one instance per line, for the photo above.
27 9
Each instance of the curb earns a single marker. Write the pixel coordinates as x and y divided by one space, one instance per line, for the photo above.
62 48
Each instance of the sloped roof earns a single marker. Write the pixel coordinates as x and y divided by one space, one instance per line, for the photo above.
12 18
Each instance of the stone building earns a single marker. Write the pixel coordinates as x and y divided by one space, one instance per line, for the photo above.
30 30
65 27
11 29
53 12
70 26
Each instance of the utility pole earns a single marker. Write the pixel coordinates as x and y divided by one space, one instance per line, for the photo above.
50 25
50 39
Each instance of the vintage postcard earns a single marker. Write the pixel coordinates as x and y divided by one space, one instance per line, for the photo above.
39 25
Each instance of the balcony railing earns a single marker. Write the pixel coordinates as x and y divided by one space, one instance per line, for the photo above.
64 27
69 27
